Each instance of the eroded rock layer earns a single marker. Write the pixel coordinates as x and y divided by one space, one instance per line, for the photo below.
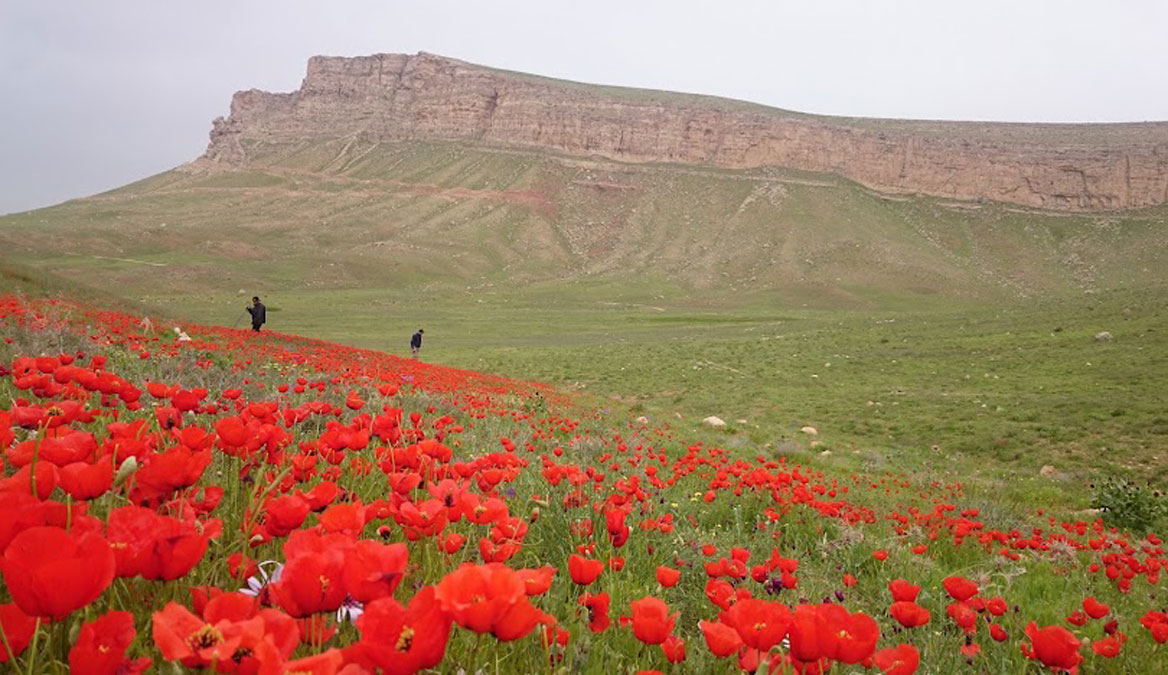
387 97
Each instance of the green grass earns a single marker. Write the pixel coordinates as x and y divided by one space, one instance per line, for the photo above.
957 338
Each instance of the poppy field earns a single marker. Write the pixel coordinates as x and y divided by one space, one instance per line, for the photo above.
207 499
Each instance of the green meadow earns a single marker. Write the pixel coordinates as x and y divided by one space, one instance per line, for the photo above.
910 332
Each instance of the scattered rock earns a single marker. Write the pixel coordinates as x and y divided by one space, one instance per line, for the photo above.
715 422
1047 471
741 421
825 453
810 431
1103 337
642 420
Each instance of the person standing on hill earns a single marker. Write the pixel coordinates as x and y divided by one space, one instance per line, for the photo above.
259 313
416 342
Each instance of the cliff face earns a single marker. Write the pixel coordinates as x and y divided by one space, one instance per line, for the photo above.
398 97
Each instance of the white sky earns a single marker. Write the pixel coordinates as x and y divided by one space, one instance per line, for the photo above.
98 94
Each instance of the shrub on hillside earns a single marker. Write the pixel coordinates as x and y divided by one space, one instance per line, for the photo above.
1128 505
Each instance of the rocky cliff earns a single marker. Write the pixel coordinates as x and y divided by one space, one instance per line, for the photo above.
387 97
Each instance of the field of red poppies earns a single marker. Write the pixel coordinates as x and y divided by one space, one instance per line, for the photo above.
176 498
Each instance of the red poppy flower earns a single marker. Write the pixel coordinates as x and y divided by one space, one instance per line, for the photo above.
963 615
584 570
909 614
998 633
422 520
597 605
182 636
1109 646
996 606
488 599
722 640
674 649
153 546
960 588
899 660
46 476
720 592
812 635
903 591
1094 608
87 481
556 637
174 469
1055 646
232 644
230 607
834 634
537 581
402 640
326 663
50 572
313 578
373 570
482 511
17 627
284 514
101 647
667 576
451 542
348 518
518 621
760 624
652 622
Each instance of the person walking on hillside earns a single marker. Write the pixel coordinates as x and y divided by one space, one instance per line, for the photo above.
416 342
259 313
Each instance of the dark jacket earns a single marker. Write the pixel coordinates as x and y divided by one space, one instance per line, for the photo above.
259 314
416 341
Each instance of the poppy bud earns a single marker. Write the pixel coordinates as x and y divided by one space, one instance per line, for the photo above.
128 468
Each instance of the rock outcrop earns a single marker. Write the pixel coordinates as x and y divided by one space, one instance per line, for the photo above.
388 97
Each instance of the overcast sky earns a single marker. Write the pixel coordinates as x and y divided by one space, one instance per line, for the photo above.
98 94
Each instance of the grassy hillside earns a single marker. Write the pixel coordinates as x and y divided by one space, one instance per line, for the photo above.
340 217
961 327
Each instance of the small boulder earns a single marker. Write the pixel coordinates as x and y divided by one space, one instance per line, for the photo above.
642 420
715 422
810 431
1103 336
1047 471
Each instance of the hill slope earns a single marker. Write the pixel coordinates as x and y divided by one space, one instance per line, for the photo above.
342 214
